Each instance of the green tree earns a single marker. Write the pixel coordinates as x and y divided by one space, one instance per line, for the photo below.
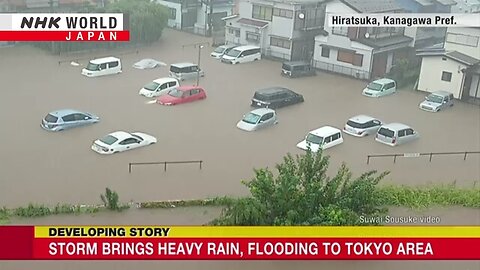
302 194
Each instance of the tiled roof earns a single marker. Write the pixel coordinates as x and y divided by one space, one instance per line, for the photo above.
372 6
259 24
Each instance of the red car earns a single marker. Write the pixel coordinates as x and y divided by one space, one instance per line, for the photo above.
182 94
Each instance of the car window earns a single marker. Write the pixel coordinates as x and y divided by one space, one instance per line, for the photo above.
409 131
266 116
163 86
281 95
109 139
103 66
386 132
51 118
81 117
328 139
129 141
194 92
335 137
375 123
401 133
186 94
69 118
172 84
113 64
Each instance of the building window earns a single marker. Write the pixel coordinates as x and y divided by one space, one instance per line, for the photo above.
234 31
325 52
172 13
462 39
252 37
286 13
280 42
446 76
341 31
262 13
350 57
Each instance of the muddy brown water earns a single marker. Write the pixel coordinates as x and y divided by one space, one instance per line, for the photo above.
43 167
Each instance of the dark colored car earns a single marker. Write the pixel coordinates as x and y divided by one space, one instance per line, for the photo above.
275 97
297 69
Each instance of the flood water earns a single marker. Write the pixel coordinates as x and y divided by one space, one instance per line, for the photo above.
42 167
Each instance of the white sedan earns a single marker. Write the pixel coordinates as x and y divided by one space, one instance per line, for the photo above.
120 141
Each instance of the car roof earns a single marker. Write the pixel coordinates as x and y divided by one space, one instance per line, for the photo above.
296 63
227 46
361 118
325 131
262 111
164 80
395 126
442 93
104 59
120 135
188 87
63 112
183 64
272 90
246 47
384 81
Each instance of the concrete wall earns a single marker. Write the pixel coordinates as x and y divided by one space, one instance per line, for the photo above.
200 24
468 50
431 75
177 22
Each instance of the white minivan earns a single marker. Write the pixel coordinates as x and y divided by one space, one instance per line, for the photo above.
380 88
185 71
102 66
321 138
242 54
158 87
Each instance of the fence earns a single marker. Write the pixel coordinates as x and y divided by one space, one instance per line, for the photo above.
414 155
165 163
353 72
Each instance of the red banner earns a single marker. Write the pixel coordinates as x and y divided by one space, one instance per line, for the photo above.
68 36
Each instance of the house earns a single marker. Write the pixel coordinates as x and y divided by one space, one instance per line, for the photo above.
282 29
362 52
466 6
197 16
455 66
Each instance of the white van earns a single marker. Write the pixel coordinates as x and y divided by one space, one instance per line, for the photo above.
242 54
380 88
321 138
158 87
102 66
185 71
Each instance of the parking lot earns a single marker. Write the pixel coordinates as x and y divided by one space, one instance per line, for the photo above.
44 167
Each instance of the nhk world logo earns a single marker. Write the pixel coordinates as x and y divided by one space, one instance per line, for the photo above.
64 27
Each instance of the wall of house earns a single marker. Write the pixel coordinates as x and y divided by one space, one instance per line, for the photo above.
177 22
431 75
475 86
468 50
200 24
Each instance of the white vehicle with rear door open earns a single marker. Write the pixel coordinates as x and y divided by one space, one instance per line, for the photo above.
120 141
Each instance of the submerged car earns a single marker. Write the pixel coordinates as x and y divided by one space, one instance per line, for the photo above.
258 119
120 141
148 64
362 125
295 69
394 134
66 119
321 138
437 101
158 87
182 94
275 97
380 88
221 51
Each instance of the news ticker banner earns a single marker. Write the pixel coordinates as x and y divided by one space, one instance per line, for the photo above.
238 243
64 27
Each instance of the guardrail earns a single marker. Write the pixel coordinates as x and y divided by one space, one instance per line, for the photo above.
414 155
165 163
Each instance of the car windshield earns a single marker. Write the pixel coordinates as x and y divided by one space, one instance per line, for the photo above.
356 124
175 69
434 98
175 93
219 50
234 53
386 132
374 86
314 139
109 139
152 86
92 67
286 67
251 118
50 118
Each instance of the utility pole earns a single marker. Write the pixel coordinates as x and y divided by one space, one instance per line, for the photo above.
200 46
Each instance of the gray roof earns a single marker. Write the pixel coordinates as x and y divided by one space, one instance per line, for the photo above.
462 58
372 6
385 42
424 2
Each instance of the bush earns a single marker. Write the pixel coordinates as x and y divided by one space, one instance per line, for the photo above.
32 210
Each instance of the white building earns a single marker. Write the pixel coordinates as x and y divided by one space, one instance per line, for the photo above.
455 67
466 6
283 29
362 52
219 10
